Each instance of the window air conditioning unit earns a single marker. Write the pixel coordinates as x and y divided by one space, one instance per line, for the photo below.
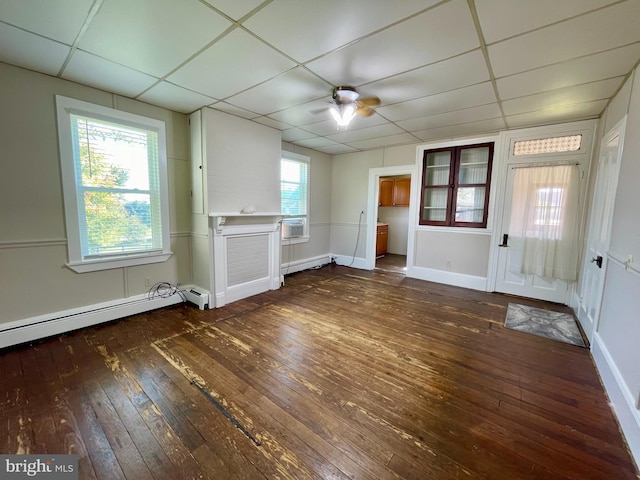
292 227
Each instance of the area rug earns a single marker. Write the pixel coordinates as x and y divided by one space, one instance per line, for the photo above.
554 325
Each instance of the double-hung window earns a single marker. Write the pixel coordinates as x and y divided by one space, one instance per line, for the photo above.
114 175
294 196
455 186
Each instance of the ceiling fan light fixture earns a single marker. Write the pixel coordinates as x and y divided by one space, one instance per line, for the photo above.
343 114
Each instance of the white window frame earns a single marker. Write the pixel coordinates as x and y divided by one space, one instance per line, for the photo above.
65 108
296 157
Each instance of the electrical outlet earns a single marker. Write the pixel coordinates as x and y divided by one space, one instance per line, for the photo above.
147 281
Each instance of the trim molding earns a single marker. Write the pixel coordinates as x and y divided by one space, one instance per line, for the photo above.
620 397
50 242
448 278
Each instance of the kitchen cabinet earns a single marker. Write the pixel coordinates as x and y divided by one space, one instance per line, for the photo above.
394 192
382 238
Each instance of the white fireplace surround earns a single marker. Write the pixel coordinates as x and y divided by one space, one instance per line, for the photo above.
245 250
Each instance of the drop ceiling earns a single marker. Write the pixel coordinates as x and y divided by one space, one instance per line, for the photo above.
441 69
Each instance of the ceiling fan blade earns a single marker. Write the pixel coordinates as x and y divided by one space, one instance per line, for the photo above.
365 111
368 101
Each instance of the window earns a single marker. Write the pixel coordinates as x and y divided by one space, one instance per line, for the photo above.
455 186
294 195
114 174
569 143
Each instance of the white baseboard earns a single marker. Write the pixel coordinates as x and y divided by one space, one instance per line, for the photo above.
621 399
448 278
349 261
42 326
304 264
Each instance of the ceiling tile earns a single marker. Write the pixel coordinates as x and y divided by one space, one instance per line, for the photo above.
295 134
306 113
388 141
270 122
408 45
100 73
350 136
60 20
461 71
291 88
153 36
305 30
500 19
612 27
475 95
482 127
232 55
233 110
316 142
608 64
234 8
464 115
30 51
175 98
329 126
580 111
337 149
564 96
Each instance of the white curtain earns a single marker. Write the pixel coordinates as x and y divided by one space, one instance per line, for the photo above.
544 220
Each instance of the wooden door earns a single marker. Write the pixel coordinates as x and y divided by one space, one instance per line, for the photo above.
401 192
595 259
386 192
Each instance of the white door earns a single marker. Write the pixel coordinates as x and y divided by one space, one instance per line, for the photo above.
534 221
594 264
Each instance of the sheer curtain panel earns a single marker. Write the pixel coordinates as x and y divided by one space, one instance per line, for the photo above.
545 220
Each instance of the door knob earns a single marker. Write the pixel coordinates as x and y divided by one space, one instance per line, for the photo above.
597 260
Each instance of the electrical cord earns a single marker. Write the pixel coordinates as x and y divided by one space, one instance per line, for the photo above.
353 259
165 290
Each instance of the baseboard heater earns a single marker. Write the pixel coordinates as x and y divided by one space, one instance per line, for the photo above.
198 297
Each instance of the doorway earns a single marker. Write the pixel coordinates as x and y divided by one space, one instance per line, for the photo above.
389 225
540 218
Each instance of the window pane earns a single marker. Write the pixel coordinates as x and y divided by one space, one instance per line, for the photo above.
470 204
111 155
437 167
435 204
115 223
293 187
474 164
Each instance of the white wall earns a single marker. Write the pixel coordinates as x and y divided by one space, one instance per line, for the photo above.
615 343
33 251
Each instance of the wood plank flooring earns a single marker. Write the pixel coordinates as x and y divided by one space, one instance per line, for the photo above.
340 374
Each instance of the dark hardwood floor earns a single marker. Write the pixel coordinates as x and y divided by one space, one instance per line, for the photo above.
342 373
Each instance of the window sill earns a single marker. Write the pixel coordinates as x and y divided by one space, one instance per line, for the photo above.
118 262
435 228
294 240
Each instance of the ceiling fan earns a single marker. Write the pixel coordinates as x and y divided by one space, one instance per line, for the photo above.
348 104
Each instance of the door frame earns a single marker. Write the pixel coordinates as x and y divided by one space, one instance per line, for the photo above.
372 210
583 156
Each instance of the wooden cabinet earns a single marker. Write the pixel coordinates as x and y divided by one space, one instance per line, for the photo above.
394 192
382 237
